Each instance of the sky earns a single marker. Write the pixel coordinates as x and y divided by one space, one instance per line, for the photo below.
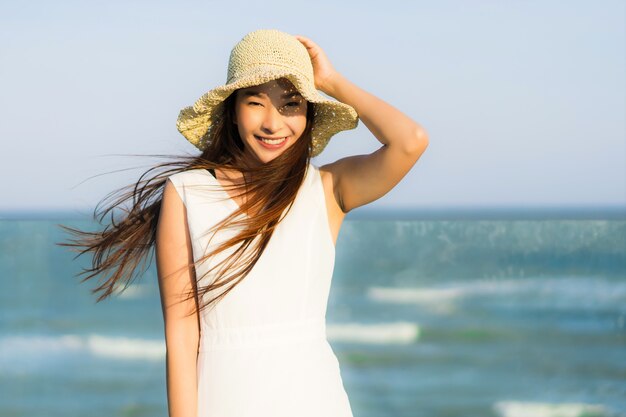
524 102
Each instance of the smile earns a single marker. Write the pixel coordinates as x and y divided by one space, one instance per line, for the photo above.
272 142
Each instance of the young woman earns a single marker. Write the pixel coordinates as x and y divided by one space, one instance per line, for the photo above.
245 233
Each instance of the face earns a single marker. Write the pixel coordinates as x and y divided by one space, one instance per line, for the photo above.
270 117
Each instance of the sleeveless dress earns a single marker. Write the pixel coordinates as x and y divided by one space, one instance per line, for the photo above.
263 347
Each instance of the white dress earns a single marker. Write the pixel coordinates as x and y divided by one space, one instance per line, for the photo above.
263 347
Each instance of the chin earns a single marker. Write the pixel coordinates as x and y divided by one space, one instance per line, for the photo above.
267 158
265 155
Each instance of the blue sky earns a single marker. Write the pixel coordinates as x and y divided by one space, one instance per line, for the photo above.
524 101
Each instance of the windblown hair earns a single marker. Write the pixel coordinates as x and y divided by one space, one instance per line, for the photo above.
125 242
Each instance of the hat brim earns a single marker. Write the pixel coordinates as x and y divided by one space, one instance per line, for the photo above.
330 116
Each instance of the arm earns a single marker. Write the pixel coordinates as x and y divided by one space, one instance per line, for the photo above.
361 179
173 253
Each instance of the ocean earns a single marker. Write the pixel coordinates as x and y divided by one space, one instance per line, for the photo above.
471 316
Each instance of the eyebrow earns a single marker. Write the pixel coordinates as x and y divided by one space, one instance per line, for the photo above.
258 94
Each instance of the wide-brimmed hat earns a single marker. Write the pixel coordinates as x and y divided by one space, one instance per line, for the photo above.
262 56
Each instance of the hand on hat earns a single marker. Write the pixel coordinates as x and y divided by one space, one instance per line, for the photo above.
323 70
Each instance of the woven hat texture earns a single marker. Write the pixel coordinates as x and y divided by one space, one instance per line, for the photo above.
261 56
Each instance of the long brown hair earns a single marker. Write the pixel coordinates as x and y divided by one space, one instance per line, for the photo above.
127 241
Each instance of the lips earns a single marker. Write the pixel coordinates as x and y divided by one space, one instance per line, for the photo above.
271 143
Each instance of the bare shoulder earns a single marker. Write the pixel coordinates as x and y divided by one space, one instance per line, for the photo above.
329 175
334 209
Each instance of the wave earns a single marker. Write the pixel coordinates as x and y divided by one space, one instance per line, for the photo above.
540 409
134 291
97 345
382 333
558 292
126 348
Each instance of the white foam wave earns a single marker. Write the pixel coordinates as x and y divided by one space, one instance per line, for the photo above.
97 345
37 347
134 291
34 345
540 409
438 300
579 292
411 295
126 348
383 333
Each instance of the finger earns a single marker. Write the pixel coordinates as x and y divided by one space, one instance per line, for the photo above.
306 41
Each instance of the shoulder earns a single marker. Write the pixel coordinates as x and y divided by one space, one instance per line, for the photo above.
182 178
189 173
328 176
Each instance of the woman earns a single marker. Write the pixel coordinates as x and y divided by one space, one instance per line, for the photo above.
245 233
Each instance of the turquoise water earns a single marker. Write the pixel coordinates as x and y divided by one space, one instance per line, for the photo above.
427 317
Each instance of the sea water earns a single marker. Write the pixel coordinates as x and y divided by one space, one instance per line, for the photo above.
428 317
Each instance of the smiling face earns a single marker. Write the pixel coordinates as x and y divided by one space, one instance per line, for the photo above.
270 117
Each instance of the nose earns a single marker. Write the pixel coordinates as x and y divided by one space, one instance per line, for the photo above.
273 120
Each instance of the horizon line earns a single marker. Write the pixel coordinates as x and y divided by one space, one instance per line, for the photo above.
493 212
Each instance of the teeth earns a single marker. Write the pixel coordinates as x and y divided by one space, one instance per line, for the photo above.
273 141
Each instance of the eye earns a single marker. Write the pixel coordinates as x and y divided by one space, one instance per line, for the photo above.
293 104
254 103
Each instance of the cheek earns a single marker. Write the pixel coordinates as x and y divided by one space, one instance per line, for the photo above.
244 119
298 124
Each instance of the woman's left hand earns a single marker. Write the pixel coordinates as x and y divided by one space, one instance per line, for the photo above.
323 70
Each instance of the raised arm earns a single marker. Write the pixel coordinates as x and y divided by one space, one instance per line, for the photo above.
173 253
361 179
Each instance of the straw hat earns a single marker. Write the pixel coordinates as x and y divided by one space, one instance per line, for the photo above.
259 57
